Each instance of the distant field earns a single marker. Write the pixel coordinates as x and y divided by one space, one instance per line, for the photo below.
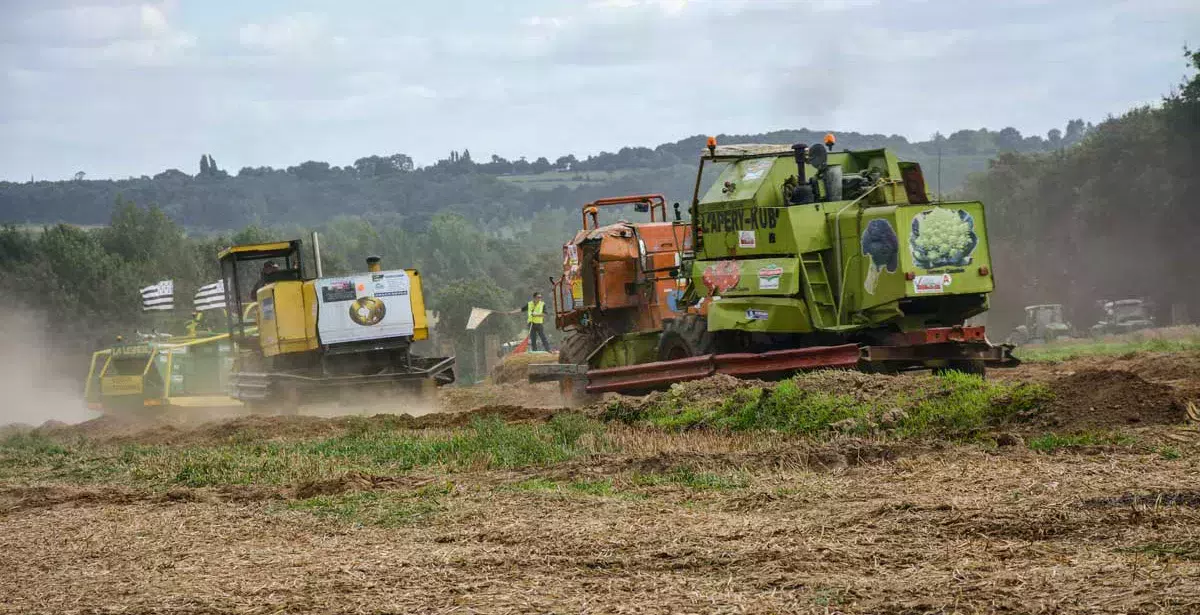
1170 339
37 228
566 179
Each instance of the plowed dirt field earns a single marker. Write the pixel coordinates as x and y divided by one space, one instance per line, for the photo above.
1091 506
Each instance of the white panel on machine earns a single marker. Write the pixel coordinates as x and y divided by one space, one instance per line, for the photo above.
362 307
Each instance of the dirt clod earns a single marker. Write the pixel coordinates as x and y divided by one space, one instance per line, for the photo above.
1099 398
1009 439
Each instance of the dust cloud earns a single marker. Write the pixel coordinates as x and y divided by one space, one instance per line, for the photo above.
30 377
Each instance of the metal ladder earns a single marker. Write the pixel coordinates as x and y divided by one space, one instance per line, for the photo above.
818 292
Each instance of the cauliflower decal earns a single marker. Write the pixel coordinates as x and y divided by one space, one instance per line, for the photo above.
879 241
942 238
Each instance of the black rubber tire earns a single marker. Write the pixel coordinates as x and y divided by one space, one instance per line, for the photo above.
576 347
686 336
974 367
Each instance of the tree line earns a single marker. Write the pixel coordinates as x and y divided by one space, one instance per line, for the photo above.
1110 214
214 199
1113 217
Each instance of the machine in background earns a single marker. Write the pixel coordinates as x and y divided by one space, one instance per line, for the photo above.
162 372
312 339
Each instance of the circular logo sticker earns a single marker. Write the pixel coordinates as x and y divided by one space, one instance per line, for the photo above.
367 311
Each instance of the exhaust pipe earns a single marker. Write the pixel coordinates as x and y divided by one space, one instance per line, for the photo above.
833 182
802 193
317 254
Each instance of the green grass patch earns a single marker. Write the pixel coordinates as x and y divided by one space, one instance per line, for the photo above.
534 484
26 449
1170 453
1052 442
601 487
952 405
1135 342
379 449
375 508
1189 551
960 405
687 477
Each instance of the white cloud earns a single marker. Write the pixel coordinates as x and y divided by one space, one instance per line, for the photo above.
537 21
535 77
154 21
292 34
94 35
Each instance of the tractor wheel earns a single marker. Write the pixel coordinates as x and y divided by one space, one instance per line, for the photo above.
575 348
683 337
974 367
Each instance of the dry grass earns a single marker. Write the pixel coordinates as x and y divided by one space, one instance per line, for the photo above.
642 520
514 369
963 530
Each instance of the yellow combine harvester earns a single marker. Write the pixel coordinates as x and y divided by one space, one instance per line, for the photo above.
161 372
305 339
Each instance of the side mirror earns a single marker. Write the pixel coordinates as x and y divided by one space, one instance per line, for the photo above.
641 208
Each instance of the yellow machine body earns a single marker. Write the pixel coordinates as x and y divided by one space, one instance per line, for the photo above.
290 325
180 371
301 335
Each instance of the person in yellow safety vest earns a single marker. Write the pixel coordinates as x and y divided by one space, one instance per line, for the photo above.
194 323
536 314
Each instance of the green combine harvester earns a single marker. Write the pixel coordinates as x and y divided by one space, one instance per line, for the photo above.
802 257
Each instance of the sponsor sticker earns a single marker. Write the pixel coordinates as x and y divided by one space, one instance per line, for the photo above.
267 309
722 276
753 314
338 290
926 284
756 169
768 277
747 239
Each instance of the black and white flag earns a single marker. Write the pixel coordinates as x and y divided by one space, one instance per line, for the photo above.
159 297
211 296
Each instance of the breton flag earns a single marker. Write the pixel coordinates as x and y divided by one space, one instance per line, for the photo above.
159 297
211 296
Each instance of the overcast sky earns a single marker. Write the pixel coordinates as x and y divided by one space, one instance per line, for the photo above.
117 88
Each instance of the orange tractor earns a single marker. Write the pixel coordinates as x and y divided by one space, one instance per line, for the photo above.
622 279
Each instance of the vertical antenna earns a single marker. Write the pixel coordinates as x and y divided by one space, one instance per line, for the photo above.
938 136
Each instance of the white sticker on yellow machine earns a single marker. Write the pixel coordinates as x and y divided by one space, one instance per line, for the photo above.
747 239
768 277
369 306
753 314
928 284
